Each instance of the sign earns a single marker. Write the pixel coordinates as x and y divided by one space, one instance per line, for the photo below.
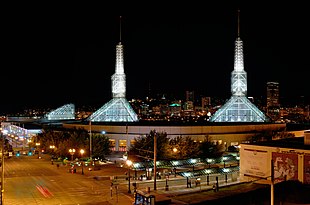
255 162
285 166
307 169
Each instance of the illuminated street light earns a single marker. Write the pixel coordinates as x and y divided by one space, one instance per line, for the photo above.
52 147
129 163
82 152
224 160
175 150
72 151
38 147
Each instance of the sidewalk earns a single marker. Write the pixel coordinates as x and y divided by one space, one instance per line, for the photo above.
164 196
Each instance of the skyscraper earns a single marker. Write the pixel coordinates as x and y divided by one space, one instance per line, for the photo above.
238 108
273 103
273 94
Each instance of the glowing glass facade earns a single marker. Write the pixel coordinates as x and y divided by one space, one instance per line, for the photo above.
66 112
118 109
238 108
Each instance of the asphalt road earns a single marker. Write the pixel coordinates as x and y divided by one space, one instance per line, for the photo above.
33 181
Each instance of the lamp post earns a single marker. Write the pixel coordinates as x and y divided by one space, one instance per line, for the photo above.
72 151
175 150
224 160
38 147
52 147
82 152
129 163
155 155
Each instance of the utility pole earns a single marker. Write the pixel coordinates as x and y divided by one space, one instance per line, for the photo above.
2 168
90 141
272 184
155 153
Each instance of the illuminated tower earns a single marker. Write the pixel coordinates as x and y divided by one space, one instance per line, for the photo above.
238 108
118 108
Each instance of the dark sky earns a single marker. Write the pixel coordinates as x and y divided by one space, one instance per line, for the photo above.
57 58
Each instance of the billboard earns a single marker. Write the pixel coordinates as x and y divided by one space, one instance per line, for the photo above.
307 169
285 166
255 162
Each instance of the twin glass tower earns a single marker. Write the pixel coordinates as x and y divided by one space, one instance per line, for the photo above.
238 108
118 108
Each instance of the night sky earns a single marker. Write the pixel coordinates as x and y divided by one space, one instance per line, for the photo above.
57 59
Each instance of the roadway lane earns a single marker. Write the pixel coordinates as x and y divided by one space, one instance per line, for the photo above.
33 181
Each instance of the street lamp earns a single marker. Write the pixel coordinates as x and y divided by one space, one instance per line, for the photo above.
38 147
129 163
82 152
72 151
52 147
175 150
224 160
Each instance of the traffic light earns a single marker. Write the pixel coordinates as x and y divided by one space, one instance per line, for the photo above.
17 154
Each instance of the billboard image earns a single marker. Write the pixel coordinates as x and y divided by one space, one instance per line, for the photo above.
307 169
285 166
254 162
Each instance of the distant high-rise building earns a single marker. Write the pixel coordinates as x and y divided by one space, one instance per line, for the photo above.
190 96
189 102
118 109
205 102
238 108
273 94
273 103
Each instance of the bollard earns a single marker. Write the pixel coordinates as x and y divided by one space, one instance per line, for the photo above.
217 184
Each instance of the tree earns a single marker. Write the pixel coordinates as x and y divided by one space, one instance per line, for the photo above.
183 148
210 149
101 146
144 145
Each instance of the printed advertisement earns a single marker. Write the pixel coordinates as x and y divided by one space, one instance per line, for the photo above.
255 163
307 169
285 166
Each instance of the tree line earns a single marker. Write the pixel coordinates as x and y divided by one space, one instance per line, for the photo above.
58 142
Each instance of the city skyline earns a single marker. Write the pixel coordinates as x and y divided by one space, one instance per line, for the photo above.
69 60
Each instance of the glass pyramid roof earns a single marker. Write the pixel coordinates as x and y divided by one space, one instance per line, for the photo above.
116 110
66 112
238 109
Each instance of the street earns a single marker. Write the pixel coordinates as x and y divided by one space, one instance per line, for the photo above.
32 181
